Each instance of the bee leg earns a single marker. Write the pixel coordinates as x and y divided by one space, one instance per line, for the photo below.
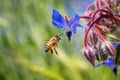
55 51
51 51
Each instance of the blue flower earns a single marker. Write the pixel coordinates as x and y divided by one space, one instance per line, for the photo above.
110 63
70 26
115 44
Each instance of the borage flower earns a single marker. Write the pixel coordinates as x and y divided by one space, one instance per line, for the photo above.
110 63
69 25
115 44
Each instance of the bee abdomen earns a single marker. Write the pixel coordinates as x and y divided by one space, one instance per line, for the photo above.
47 48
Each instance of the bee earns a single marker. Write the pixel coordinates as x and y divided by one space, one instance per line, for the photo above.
50 45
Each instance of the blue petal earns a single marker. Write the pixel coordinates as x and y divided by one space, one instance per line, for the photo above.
57 19
109 63
76 19
57 24
101 63
74 27
79 25
74 30
115 44
111 60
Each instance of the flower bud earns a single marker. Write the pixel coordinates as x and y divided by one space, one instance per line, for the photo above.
117 57
89 54
97 56
92 38
109 48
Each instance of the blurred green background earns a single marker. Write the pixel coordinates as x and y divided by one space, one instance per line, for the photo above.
25 27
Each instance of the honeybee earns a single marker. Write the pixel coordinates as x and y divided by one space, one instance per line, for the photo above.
50 45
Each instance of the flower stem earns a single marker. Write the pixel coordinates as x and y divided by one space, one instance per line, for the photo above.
100 10
90 26
99 34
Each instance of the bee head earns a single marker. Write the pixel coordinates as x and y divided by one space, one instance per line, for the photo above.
57 37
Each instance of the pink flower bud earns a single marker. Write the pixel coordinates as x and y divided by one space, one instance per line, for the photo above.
92 38
109 48
89 54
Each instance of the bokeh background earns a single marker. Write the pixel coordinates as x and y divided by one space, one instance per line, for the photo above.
25 27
